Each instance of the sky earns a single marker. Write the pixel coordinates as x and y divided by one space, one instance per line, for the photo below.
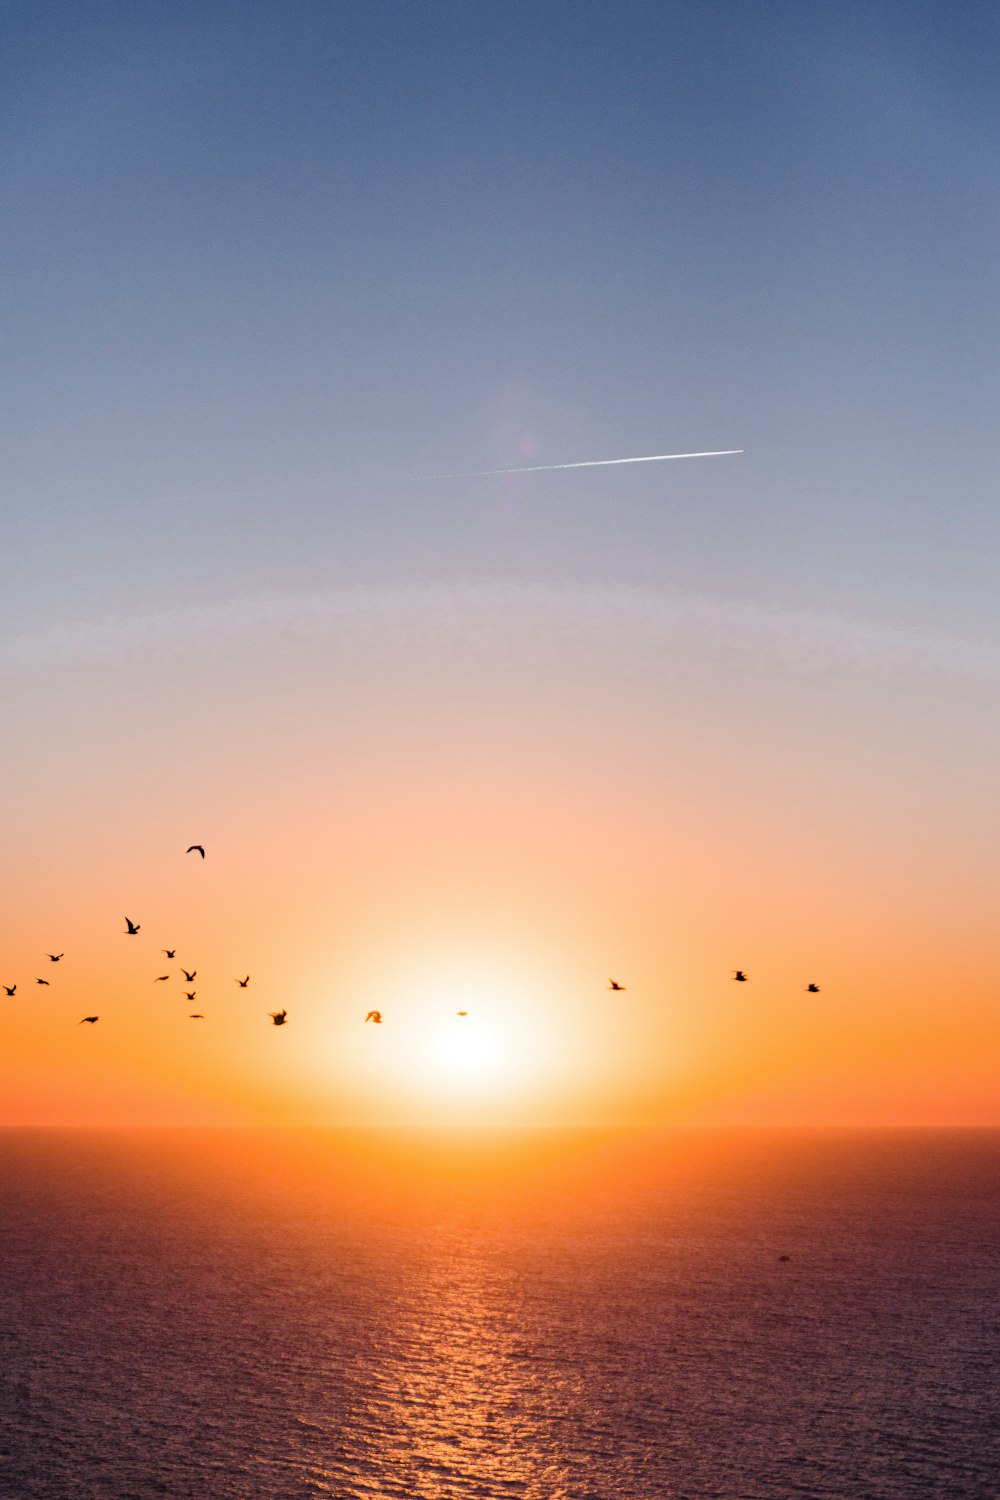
268 272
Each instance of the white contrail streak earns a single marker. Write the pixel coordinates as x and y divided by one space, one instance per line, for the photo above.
592 463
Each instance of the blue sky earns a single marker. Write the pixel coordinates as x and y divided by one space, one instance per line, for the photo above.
267 267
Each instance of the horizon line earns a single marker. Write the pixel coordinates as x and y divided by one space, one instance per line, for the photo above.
605 1127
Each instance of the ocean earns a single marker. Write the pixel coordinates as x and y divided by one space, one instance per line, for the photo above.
561 1315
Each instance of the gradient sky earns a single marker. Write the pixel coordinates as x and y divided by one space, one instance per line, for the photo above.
266 270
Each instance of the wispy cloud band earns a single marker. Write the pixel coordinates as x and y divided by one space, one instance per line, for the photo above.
500 618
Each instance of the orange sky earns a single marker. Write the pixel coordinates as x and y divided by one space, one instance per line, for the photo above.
495 804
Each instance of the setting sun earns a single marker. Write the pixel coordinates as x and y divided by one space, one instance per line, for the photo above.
466 1049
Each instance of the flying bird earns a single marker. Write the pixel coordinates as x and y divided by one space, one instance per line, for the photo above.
190 994
55 957
278 1016
739 976
41 981
592 463
11 989
614 985
170 952
133 928
812 989
188 976
160 978
374 1015
243 982
91 1019
461 1012
196 1016
196 849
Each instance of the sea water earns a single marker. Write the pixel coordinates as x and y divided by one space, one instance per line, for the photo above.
561 1315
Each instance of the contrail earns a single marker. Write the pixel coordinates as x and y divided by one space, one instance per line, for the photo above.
592 463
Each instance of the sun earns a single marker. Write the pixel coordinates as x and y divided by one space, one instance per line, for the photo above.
466 1048
465 1035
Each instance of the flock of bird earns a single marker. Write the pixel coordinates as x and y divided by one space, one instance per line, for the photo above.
132 929
278 1017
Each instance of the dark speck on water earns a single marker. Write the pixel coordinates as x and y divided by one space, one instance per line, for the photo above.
554 1315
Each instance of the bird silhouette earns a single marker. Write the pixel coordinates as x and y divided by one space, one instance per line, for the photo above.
812 989
614 985
196 849
739 976
11 989
170 952
188 976
41 981
374 1015
278 1016
55 957
133 928
190 994
91 1019
784 1257
243 982
196 1016
461 1012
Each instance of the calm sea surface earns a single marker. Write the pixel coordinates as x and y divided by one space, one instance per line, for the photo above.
556 1315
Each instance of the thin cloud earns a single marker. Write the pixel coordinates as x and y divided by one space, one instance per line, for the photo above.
500 619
